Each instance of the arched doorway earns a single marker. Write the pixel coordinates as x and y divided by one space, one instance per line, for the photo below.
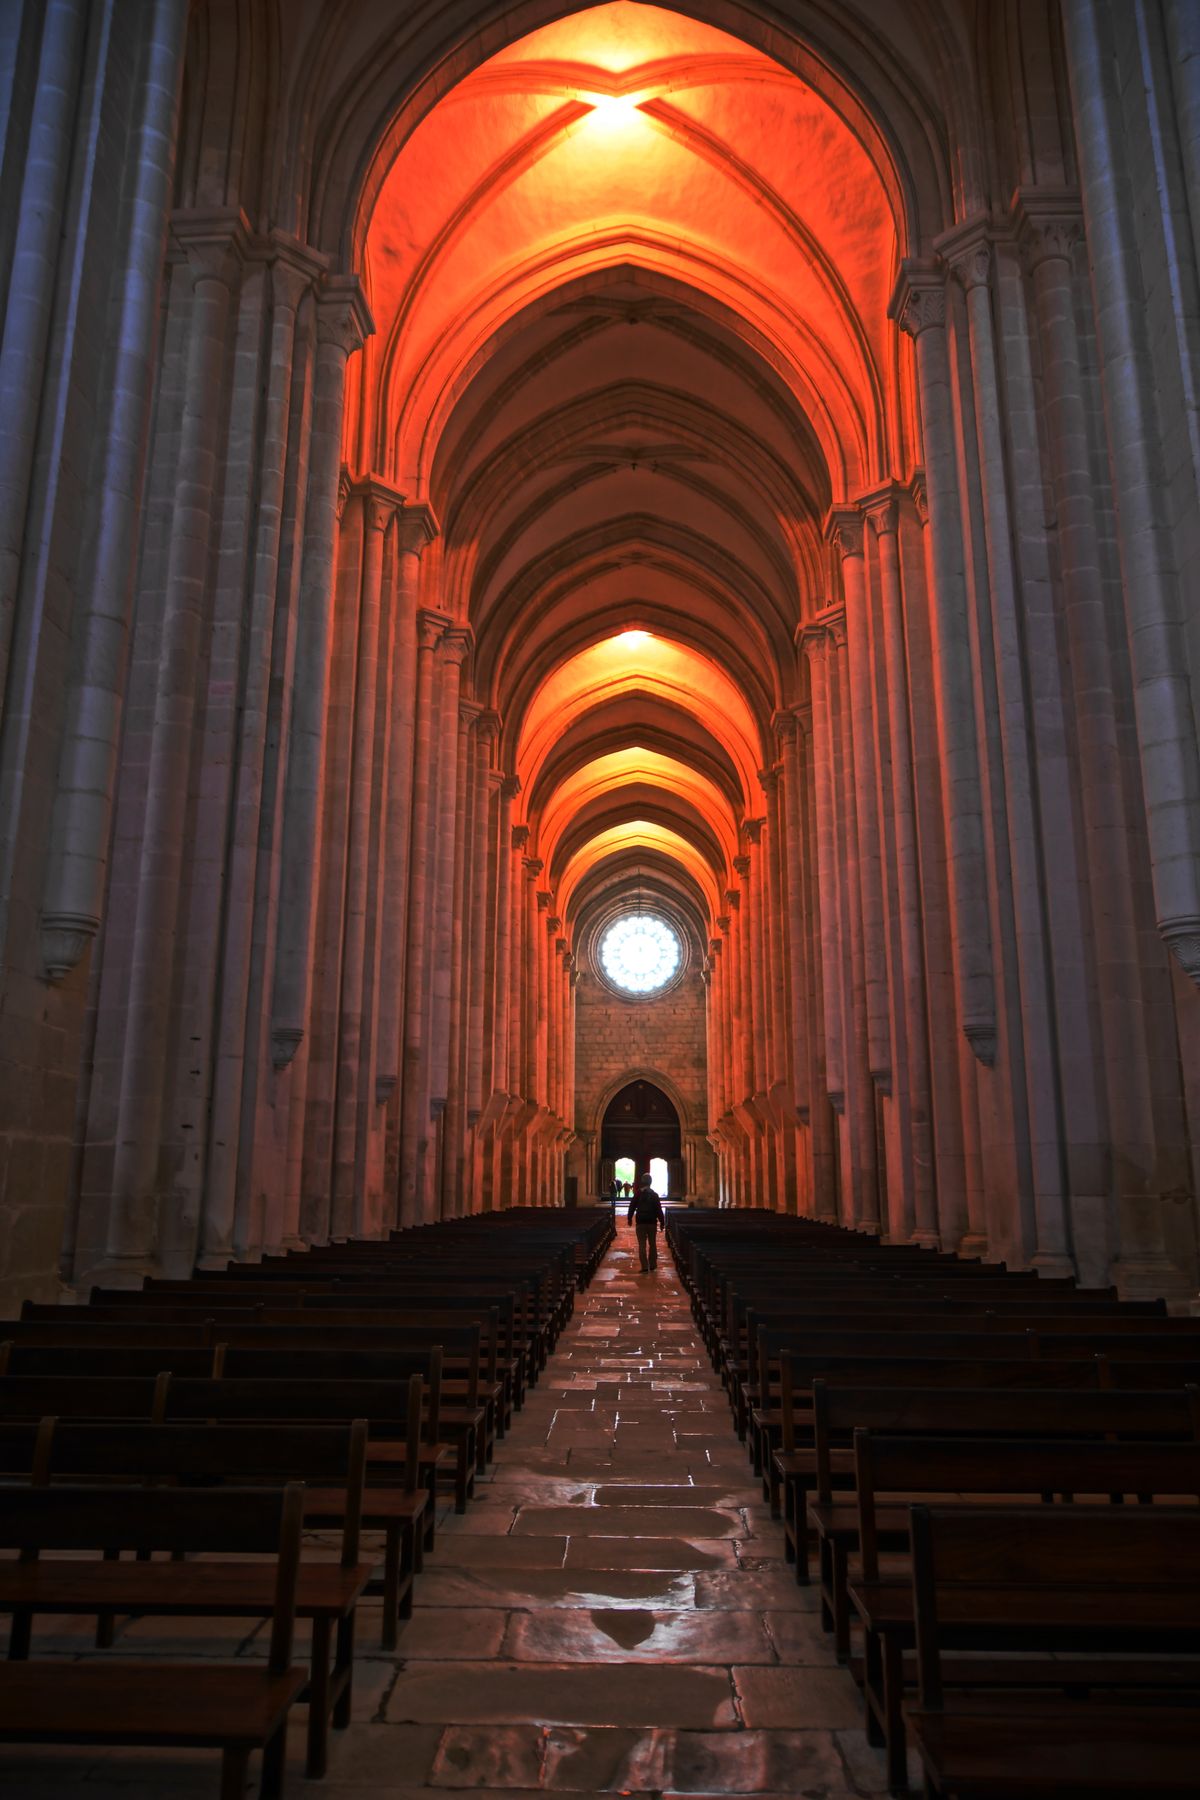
641 1132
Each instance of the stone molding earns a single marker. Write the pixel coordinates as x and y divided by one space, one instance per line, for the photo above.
1182 938
64 938
416 526
918 301
1048 223
520 835
966 250
843 529
285 1041
456 643
215 242
343 316
430 627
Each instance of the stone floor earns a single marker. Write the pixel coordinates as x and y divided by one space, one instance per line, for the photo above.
613 1614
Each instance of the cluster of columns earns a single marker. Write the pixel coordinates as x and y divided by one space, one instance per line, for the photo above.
938 1002
302 1019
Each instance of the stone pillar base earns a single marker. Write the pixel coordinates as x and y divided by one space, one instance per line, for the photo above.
1150 1278
1053 1267
120 1271
975 1244
924 1240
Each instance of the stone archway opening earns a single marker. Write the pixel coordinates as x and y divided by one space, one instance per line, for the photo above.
641 1135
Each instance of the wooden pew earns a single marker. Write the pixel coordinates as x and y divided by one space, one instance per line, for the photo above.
1122 1585
235 1708
890 1469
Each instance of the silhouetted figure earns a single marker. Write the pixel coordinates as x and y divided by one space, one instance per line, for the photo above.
645 1209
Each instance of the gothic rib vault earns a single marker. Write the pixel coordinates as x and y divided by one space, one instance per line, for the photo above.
586 455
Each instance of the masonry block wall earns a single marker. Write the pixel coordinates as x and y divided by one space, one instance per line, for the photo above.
664 1040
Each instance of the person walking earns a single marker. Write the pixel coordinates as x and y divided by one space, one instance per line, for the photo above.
645 1209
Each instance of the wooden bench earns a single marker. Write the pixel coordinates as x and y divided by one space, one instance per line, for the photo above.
236 1708
327 1594
1121 1585
890 1469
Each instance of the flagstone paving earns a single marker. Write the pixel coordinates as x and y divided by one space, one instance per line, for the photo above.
613 1615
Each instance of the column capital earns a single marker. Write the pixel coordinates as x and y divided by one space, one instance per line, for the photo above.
511 787
295 267
416 526
544 896
456 643
723 920
487 725
966 250
520 836
880 507
804 716
380 502
753 829
769 779
533 866
430 626
733 897
918 301
714 946
343 316
214 241
843 529
834 621
742 865
814 640
468 712
783 724
1048 223
560 942
919 489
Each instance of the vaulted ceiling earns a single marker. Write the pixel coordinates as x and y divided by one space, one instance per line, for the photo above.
630 283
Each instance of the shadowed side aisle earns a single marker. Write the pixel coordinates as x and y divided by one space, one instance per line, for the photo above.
614 1612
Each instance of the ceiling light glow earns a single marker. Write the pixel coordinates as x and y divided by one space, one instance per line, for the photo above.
612 112
633 640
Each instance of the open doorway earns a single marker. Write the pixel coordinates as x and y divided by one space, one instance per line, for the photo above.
624 1172
659 1176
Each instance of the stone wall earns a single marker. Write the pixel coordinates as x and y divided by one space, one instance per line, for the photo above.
664 1040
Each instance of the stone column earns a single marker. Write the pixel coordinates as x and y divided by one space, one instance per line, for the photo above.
1049 231
509 788
844 530
883 515
452 650
487 728
81 823
342 325
1156 594
293 272
214 247
416 527
379 504
41 204
816 643
414 1120
919 307
453 1198
798 1005
860 1093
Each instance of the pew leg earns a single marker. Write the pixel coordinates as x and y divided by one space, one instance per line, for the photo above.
841 1604
409 1550
893 1715
20 1634
391 1585
318 1700
274 1759
343 1672
234 1763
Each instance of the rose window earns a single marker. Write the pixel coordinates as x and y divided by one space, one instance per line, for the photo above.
640 953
